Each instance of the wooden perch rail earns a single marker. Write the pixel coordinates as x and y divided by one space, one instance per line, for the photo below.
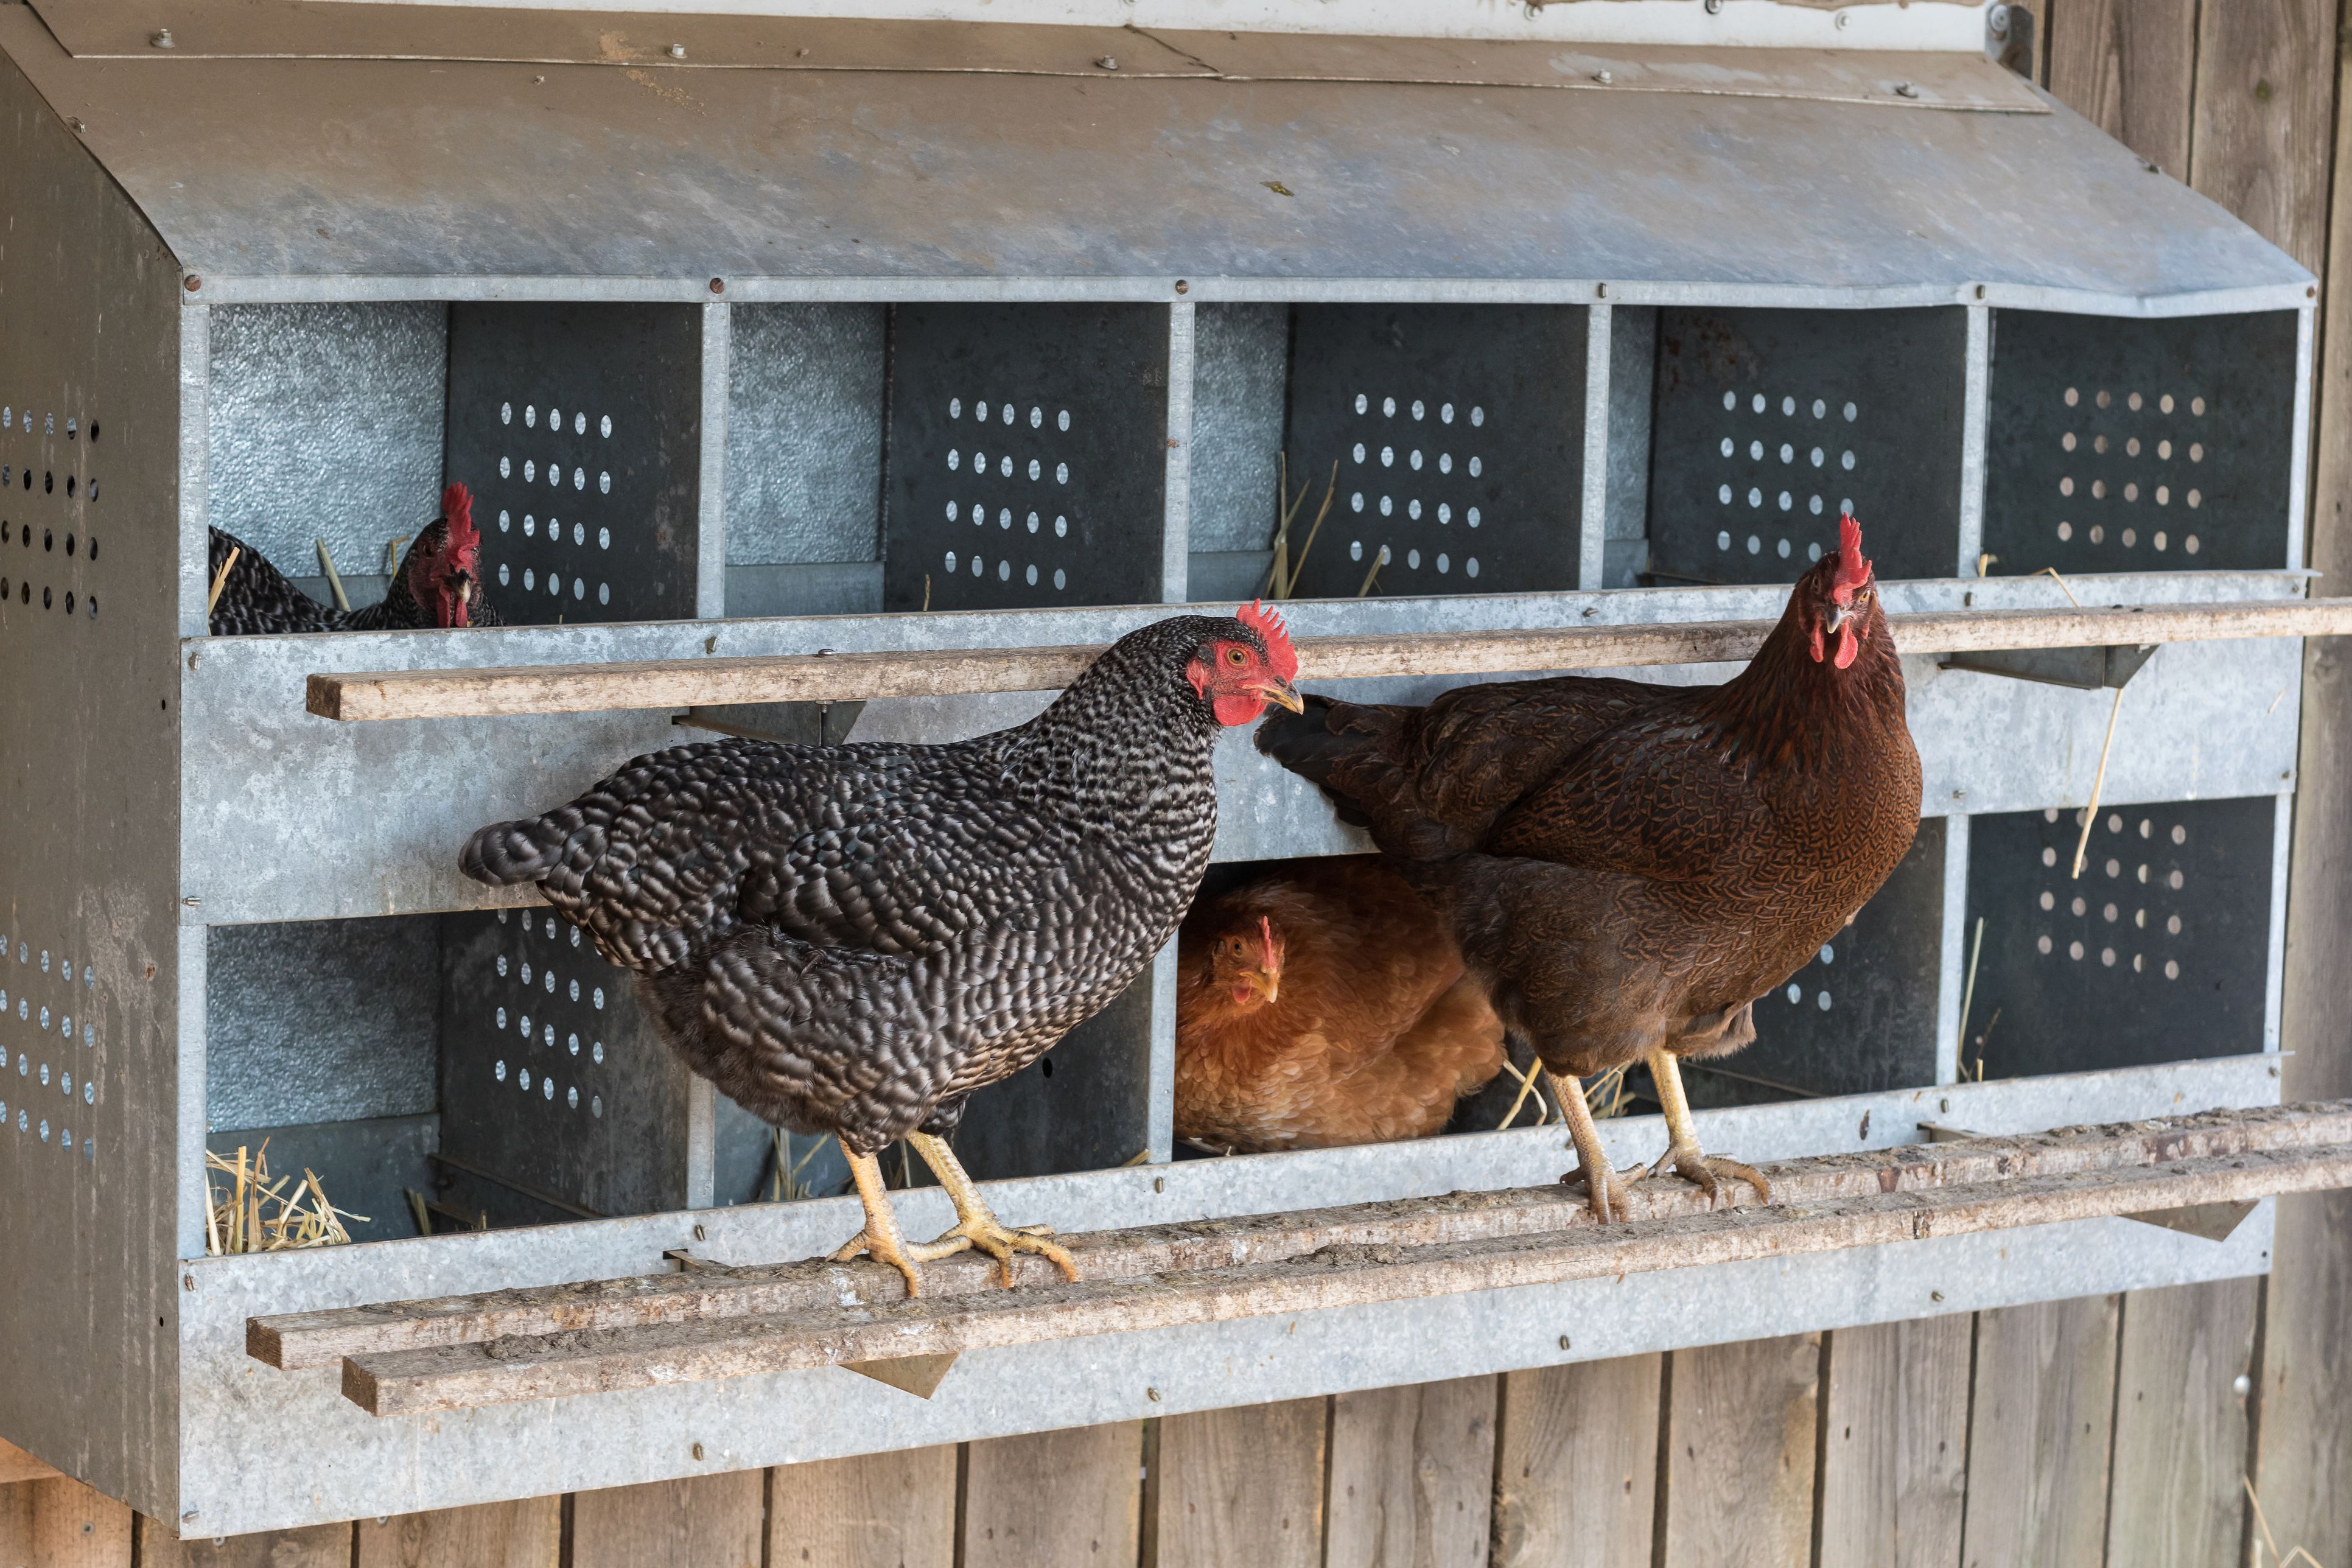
859 677
707 1324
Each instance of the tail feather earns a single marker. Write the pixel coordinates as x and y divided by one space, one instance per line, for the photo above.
506 853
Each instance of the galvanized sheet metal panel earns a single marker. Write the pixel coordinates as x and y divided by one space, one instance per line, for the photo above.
307 174
236 1410
298 817
89 826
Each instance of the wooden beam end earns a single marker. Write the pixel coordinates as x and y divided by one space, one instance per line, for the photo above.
324 695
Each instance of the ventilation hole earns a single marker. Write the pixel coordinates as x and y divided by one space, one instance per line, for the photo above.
2065 531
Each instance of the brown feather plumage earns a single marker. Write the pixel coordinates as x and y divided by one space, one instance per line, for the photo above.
1374 1031
1629 866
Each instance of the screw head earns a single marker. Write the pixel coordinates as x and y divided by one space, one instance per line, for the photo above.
1182 287
193 283
701 1234
677 51
1935 1295
1603 77
1713 6
718 285
2242 1385
1158 1183
161 39
1904 90
1563 1341
1152 1394
1107 63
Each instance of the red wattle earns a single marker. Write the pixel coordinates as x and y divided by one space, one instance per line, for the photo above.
1817 645
1234 707
1849 646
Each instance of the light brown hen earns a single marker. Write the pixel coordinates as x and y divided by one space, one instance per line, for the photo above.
1322 1005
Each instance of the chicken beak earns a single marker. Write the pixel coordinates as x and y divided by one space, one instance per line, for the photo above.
1838 616
1265 982
1281 693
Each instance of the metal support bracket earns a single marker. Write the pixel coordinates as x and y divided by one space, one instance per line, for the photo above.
2084 668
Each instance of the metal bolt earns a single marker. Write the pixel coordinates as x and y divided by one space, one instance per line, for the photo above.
1935 1295
1107 63
1563 1341
161 39
1603 77
677 51
193 283
698 1450
1996 21
1904 90
1601 291
1182 287
718 285
701 1234
77 125
188 1282
1158 1183
1943 1105
2242 1385
1842 20
1713 6
193 901
1981 290
1152 1394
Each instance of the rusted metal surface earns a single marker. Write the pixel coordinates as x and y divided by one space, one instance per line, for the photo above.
285 178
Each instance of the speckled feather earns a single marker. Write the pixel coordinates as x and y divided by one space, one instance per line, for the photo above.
1629 866
258 600
853 939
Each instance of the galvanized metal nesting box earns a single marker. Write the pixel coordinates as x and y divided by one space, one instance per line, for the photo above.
963 337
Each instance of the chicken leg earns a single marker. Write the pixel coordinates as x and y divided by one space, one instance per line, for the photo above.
1681 1147
881 1239
1603 1192
977 1226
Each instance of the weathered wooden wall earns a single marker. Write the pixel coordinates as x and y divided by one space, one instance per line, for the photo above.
2107 1430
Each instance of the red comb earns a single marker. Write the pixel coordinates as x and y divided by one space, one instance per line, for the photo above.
457 506
1266 926
1853 570
1274 634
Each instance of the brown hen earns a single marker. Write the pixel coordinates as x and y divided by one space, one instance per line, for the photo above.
1627 866
1324 1005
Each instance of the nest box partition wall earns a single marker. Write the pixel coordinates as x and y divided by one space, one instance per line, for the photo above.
757 338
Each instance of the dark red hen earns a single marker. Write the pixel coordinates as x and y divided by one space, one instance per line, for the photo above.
1628 867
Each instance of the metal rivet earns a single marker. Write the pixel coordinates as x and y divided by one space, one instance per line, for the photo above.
1981 290
1904 90
1715 5
193 901
188 1282
161 38
677 51
2242 1385
1935 1295
195 283
698 1450
1107 63
1943 1105
1152 1394
1158 1183
701 1234
1841 19
1563 1341
1182 287
1603 77
1601 291
718 285
76 124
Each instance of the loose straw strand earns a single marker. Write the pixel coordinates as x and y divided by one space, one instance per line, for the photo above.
221 580
2098 783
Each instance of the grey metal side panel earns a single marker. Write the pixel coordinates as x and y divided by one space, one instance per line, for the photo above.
1241 360
357 1465
299 818
90 821
804 436
257 168
326 424
320 1022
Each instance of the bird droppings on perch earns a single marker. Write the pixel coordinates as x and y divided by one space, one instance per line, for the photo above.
234 1216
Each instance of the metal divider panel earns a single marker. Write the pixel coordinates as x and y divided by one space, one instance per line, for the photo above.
1860 1017
1026 463
1081 1106
578 429
2157 953
552 1079
2121 445
1767 422
1459 433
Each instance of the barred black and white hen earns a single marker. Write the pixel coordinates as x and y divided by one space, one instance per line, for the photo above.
853 939
439 584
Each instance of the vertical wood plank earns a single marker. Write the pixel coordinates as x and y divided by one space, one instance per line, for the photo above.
526 1534
1577 1465
1894 1453
2126 65
1741 1426
62 1523
320 1546
879 1511
1411 1476
2180 1426
703 1522
2045 1384
16 1524
1055 1499
2265 99
1243 1486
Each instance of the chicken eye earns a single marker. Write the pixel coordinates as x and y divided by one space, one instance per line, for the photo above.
1235 656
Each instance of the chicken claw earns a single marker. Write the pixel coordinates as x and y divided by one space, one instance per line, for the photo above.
1682 1145
1606 1195
881 1239
1706 1172
977 1226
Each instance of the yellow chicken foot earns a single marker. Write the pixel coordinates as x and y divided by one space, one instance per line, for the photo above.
1682 1146
1606 1196
881 1239
976 1226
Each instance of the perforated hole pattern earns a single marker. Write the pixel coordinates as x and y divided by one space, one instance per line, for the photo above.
1011 483
47 553
554 531
2130 480
1414 462
1788 463
48 1038
2134 904
548 1011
